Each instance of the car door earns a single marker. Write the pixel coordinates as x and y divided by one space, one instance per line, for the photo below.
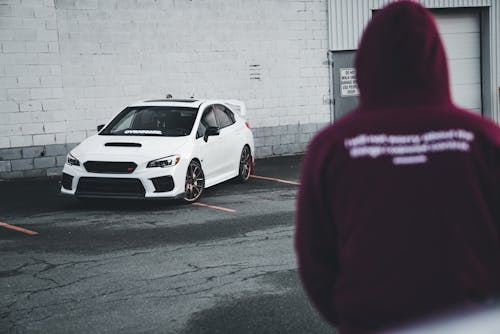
210 151
230 141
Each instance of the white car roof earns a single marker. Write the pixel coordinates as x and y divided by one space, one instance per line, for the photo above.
192 103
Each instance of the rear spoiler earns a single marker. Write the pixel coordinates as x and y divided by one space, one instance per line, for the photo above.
239 105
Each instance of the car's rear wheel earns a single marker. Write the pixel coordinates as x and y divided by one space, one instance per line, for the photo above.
195 182
245 164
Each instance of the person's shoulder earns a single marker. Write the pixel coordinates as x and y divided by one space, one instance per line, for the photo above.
482 125
328 142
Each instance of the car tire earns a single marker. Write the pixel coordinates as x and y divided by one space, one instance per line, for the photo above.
195 182
245 165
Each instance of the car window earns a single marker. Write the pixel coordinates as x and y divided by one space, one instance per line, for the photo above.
126 122
207 120
152 121
224 116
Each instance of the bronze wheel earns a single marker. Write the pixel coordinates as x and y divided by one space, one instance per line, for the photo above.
195 182
245 164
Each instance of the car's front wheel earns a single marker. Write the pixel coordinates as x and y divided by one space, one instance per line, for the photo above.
195 182
245 164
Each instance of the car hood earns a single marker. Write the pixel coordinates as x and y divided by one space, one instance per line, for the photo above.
128 148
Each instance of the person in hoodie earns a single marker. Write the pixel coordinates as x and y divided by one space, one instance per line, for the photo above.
398 212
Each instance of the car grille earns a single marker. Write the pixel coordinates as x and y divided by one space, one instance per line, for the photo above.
163 183
110 167
110 187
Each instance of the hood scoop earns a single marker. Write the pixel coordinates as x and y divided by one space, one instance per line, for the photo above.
124 144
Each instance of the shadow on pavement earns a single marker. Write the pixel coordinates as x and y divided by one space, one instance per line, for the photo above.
266 313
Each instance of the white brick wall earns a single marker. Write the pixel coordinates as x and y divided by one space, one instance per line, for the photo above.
28 34
68 65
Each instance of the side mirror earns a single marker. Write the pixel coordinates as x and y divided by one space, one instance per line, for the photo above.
99 127
211 131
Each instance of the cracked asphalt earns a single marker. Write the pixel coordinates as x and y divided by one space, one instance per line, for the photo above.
154 267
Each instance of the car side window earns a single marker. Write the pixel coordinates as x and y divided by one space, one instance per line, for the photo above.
207 120
224 116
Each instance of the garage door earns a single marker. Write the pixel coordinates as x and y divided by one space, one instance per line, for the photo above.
461 34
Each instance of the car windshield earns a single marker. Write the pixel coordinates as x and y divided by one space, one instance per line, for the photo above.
152 121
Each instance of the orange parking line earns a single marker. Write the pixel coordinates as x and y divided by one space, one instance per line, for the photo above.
276 180
214 207
19 229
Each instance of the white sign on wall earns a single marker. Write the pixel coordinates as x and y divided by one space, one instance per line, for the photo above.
348 84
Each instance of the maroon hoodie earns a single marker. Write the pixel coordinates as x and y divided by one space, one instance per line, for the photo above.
398 212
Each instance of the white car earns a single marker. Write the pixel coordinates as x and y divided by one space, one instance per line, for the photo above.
167 148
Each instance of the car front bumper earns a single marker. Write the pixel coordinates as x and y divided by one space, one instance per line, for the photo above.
148 183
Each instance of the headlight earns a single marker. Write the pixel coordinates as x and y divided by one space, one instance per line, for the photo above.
169 161
72 161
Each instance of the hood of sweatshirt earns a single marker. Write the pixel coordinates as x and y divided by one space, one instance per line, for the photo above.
402 64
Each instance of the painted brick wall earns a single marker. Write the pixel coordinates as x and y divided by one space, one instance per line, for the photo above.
68 65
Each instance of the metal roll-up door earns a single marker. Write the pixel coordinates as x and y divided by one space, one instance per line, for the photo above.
461 33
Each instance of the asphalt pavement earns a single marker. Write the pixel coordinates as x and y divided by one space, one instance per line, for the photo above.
223 265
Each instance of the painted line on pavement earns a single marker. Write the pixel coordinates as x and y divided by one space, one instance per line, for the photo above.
214 207
275 179
19 229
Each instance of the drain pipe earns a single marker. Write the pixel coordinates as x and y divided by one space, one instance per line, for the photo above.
331 88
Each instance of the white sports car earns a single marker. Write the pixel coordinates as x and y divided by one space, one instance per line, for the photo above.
167 148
